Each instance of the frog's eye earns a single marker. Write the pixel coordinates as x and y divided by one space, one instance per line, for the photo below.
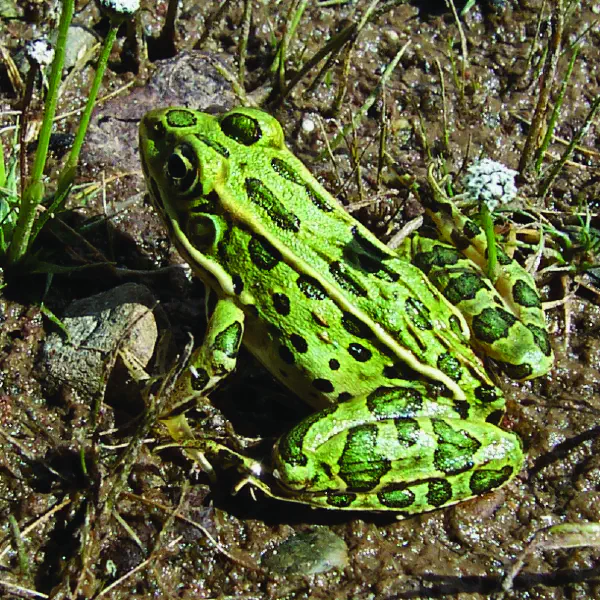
182 167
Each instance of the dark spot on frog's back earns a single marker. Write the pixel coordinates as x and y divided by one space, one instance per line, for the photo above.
355 326
525 295
311 288
346 280
263 197
263 254
241 128
229 340
281 304
179 117
286 355
369 246
299 343
359 353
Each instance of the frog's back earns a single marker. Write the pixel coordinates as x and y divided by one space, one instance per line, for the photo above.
332 312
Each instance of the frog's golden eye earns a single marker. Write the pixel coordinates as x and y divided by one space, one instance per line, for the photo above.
182 167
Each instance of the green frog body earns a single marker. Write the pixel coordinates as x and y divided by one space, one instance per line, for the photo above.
406 417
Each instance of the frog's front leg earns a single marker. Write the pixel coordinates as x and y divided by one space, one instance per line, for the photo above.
207 366
393 450
211 362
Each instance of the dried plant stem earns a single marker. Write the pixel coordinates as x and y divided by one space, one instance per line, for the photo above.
537 122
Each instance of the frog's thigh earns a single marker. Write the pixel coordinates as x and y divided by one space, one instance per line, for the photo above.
217 356
411 464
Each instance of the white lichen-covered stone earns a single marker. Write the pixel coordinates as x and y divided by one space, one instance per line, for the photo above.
491 182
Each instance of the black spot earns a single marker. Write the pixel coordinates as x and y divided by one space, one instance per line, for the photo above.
394 403
454 450
359 352
515 371
199 380
218 148
334 364
525 295
344 396
361 465
396 496
311 288
238 284
449 365
400 371
282 168
462 407
471 229
503 258
541 339
492 324
228 341
459 240
263 197
290 444
375 267
439 492
439 256
263 254
355 326
286 355
241 128
287 172
299 343
408 431
487 393
369 246
281 303
484 480
464 287
345 280
323 385
178 117
340 499
318 201
495 417
418 313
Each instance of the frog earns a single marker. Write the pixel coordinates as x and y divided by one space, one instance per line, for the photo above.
383 344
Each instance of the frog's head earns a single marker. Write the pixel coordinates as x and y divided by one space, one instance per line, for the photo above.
185 153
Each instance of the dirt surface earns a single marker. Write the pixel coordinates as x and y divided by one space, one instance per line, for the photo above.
83 505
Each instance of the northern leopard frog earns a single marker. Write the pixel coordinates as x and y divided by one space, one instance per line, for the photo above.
406 416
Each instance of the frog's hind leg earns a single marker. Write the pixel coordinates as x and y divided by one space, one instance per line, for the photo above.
393 454
519 343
